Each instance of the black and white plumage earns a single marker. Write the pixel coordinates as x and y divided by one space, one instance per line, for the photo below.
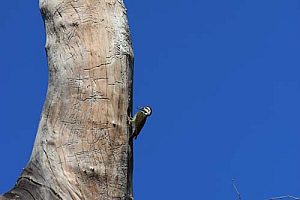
139 120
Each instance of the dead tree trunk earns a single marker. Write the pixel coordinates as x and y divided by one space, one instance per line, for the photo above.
82 149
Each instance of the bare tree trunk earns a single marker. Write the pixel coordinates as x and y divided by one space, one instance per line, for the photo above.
82 149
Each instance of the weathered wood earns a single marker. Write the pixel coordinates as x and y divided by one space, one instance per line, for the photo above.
82 149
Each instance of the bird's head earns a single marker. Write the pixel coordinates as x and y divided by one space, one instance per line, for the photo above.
146 110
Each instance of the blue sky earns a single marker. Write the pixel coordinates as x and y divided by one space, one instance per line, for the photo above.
222 78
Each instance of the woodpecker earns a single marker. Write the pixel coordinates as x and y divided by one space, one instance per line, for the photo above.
139 119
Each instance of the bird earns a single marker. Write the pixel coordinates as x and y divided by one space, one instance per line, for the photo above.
139 119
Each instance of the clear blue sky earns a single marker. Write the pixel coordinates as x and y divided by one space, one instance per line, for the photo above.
223 78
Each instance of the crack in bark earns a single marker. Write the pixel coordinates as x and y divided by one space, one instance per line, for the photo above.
47 157
97 66
41 185
22 188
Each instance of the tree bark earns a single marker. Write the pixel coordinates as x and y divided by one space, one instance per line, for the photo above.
82 149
